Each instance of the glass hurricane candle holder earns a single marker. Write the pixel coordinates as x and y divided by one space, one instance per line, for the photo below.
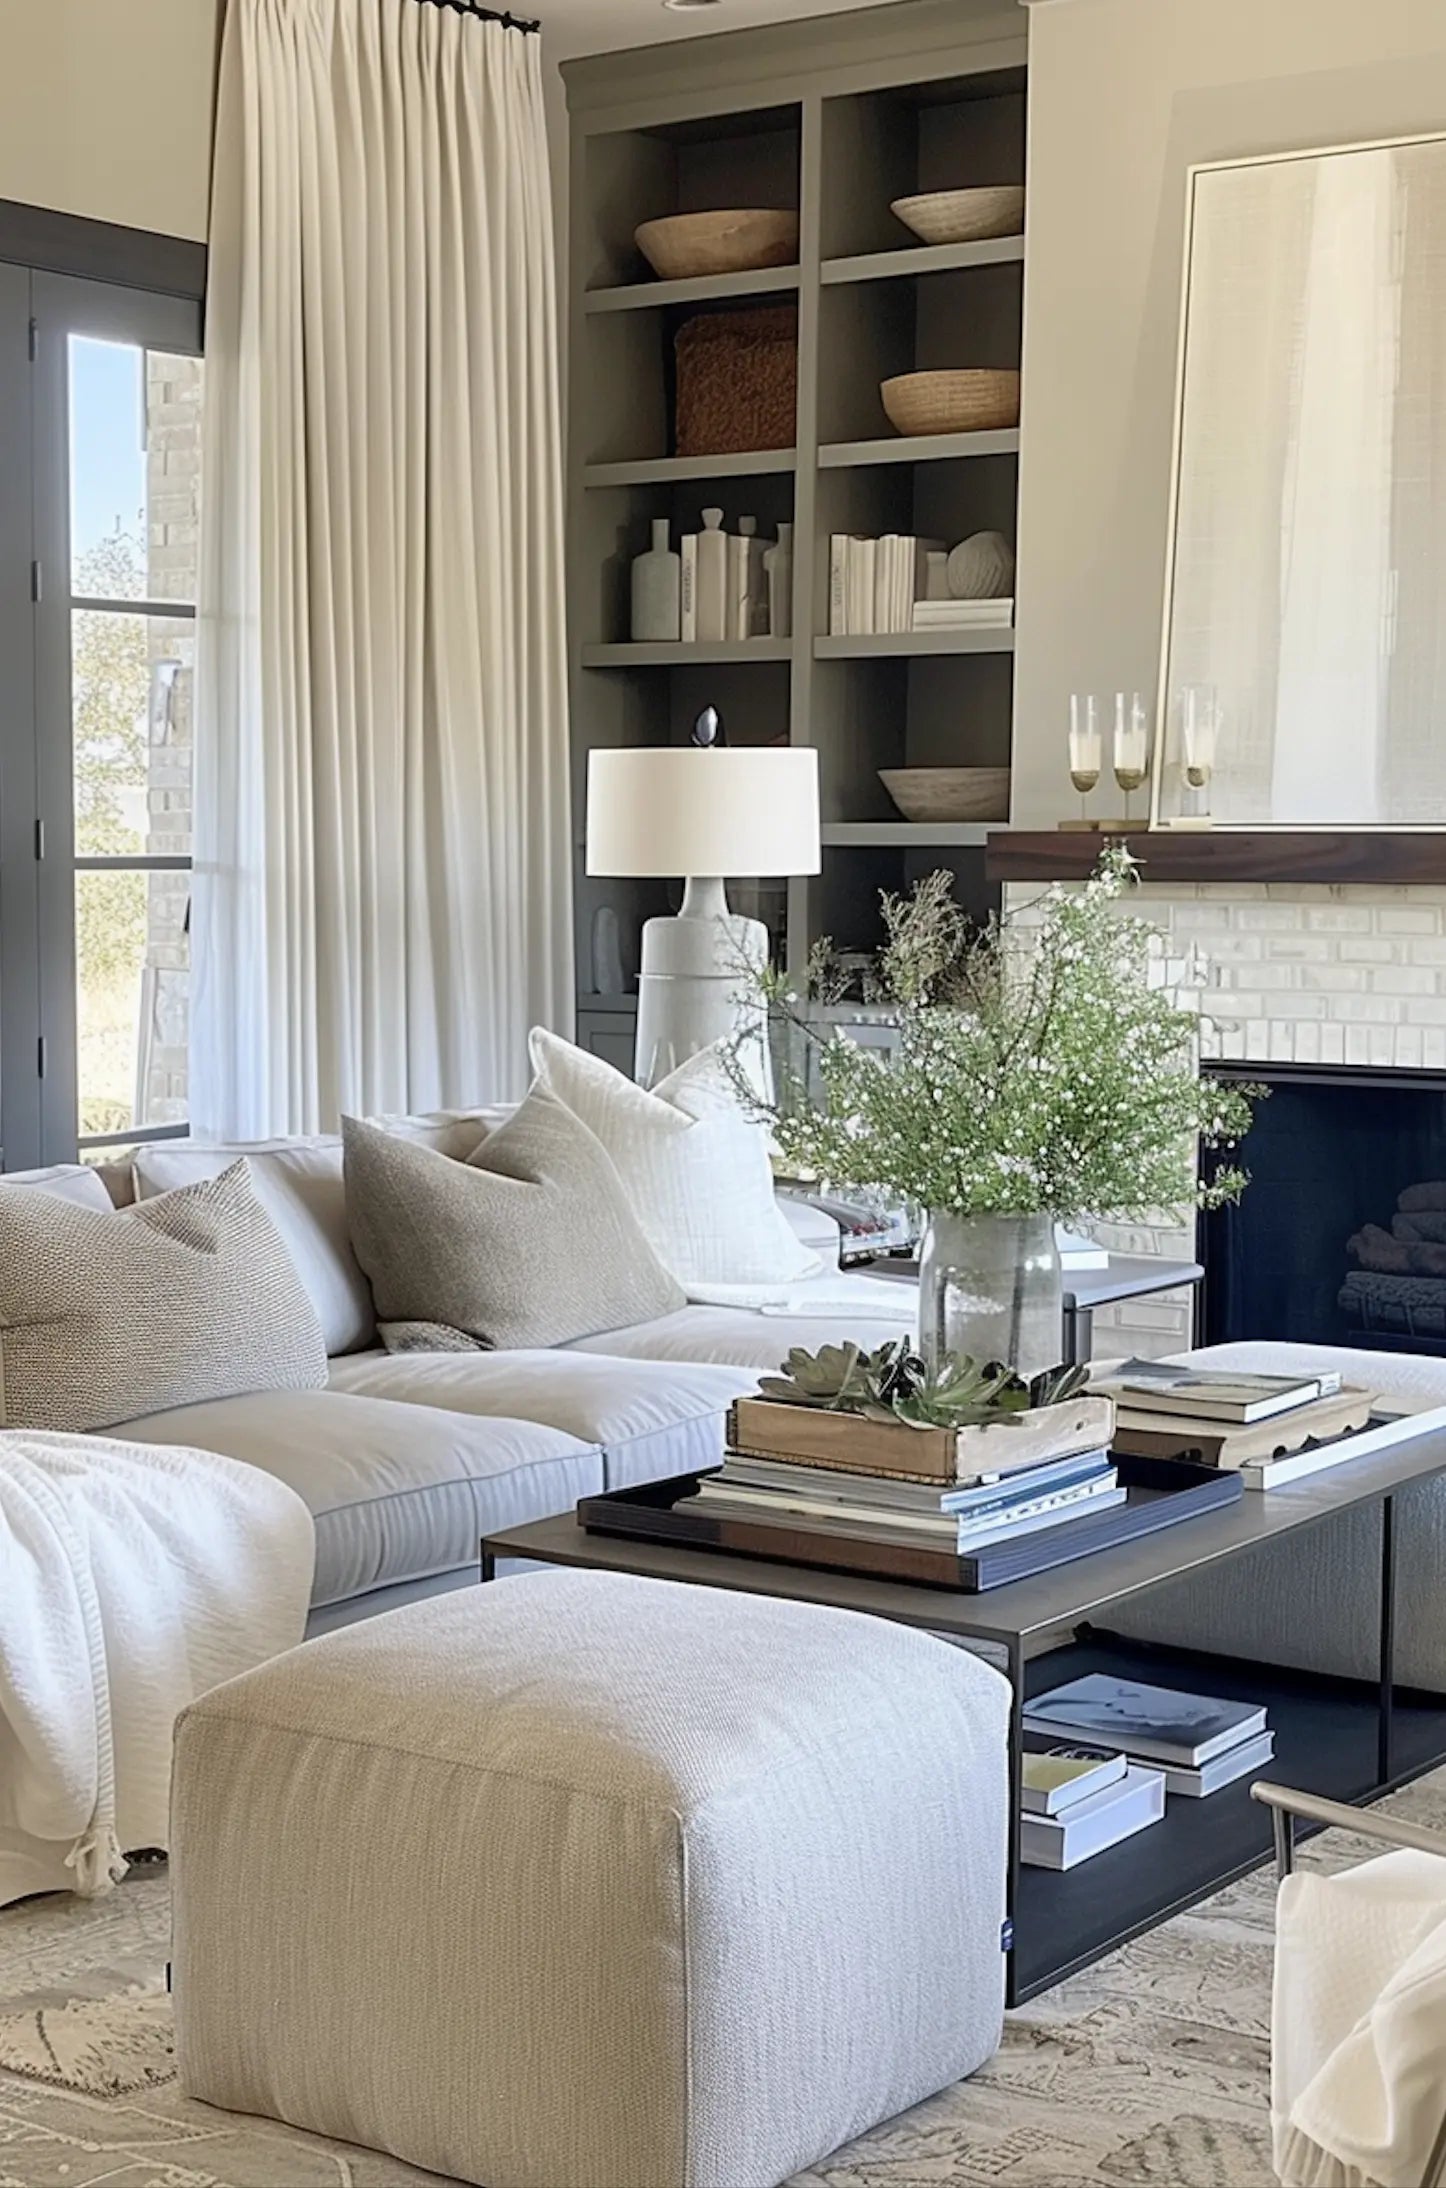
1199 733
1085 746
1131 755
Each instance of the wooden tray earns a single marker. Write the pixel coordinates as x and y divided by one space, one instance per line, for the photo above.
1161 1493
849 1443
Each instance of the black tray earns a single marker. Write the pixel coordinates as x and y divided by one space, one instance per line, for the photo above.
1161 1493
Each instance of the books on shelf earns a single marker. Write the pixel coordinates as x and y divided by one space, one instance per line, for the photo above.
963 615
1158 1725
1240 1761
1054 1777
1218 1394
1084 1828
891 1512
874 583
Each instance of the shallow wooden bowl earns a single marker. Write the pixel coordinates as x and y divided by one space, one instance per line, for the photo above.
687 244
951 402
964 216
948 793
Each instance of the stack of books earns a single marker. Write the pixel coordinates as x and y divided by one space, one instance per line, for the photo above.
1268 1427
874 583
963 615
1077 1802
1010 1498
1195 1743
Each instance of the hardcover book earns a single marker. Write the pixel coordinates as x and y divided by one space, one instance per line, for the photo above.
1161 1724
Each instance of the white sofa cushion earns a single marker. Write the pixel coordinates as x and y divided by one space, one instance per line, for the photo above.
650 1417
695 1167
397 1492
76 1182
736 1338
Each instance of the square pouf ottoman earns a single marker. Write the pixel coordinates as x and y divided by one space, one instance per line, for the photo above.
583 1881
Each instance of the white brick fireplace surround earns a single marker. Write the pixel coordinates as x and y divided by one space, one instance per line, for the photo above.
1296 973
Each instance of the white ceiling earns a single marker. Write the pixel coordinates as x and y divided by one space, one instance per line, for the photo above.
605 26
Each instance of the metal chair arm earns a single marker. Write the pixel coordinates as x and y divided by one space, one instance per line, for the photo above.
1286 1805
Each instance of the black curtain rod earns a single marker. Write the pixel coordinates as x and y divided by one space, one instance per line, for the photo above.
485 15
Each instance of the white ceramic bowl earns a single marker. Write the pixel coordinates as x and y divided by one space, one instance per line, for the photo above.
964 216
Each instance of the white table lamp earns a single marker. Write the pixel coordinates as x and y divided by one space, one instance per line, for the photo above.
707 813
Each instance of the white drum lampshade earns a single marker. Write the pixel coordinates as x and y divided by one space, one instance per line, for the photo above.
705 814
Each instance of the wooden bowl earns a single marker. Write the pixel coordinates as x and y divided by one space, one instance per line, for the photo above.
964 216
952 402
686 244
948 793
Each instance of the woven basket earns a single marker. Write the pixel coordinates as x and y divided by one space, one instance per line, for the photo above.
952 402
737 381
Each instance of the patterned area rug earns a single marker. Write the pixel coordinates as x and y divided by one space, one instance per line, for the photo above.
1150 2068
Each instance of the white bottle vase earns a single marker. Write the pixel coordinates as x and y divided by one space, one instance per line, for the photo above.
778 564
657 590
712 577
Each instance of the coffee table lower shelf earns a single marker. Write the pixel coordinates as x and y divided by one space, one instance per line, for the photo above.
1326 1742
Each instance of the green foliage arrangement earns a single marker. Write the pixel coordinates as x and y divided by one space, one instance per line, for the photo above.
894 1384
1043 1067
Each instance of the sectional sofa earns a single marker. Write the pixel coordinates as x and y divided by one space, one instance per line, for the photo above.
406 1459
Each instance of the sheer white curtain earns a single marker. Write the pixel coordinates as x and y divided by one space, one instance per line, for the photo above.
382 891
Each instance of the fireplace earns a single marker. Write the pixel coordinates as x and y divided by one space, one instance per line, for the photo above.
1341 1235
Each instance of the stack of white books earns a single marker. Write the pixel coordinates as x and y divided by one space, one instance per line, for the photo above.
1196 1742
875 583
1078 1802
964 615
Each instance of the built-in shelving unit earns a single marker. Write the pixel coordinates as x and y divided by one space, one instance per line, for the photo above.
893 100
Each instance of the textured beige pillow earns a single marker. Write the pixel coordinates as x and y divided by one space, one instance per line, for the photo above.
105 1316
530 1242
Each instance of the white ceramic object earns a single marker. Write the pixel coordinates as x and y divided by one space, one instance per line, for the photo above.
964 216
657 590
712 578
981 567
936 574
948 793
684 245
778 570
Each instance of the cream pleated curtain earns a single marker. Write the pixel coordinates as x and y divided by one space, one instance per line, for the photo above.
382 889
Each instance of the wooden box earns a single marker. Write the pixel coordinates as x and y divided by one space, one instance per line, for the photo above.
798 1435
737 381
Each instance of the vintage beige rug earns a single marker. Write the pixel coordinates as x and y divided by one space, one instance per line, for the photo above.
1151 2068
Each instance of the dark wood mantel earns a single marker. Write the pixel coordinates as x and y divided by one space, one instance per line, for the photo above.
1388 856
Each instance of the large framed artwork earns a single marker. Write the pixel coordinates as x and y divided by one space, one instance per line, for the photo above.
1303 670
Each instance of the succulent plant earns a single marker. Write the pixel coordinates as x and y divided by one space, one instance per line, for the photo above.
894 1384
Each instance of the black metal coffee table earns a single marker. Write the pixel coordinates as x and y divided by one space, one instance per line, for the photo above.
1345 1740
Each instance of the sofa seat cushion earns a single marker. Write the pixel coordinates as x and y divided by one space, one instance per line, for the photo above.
738 1338
397 1492
651 1418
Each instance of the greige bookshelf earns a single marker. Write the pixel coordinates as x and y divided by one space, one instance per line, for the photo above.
836 117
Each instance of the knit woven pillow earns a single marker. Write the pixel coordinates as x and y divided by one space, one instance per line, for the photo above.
107 1315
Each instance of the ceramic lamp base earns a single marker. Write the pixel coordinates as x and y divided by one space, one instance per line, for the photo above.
696 987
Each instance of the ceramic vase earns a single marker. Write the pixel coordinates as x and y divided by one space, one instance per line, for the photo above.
712 577
990 1287
657 590
778 569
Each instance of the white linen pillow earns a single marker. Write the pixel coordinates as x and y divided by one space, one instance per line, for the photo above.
299 1184
694 1165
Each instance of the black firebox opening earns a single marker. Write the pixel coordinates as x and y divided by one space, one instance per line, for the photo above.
1340 1238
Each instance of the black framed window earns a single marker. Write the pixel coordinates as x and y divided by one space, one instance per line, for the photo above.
100 393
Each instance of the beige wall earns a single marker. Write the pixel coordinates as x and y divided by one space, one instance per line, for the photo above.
1123 96
105 108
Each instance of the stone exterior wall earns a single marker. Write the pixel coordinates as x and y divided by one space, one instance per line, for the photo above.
1294 973
173 478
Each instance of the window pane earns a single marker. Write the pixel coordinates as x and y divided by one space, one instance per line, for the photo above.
132 999
131 685
135 466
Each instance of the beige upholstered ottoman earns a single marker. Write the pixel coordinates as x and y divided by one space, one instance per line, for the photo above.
581 1881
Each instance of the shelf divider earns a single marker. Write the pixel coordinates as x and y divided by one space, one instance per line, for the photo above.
628 654
691 289
923 258
882 645
918 448
664 470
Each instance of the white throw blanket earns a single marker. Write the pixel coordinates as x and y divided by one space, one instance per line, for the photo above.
1358 2073
132 1578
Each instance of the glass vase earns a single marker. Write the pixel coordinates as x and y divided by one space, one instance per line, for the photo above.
990 1286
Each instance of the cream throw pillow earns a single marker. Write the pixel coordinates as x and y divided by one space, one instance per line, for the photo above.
108 1315
694 1165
